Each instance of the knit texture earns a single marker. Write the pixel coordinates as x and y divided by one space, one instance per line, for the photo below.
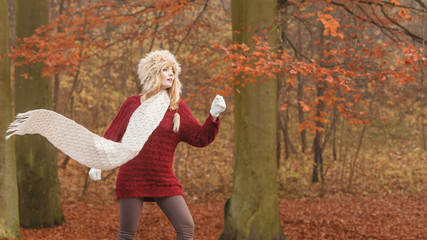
88 148
150 173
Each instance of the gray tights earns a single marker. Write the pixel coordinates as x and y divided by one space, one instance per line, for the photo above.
174 208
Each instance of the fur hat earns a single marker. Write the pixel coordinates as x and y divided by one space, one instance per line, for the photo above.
149 69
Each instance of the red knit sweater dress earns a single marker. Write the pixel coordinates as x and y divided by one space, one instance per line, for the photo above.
150 173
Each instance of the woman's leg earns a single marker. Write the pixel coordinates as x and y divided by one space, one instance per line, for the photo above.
178 213
130 211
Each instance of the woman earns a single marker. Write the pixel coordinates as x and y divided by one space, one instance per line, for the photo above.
149 175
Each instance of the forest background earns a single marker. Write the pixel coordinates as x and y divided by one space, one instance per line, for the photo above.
351 89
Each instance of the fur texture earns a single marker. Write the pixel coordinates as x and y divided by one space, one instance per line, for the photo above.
149 69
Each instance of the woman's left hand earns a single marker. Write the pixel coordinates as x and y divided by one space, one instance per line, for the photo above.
95 174
218 106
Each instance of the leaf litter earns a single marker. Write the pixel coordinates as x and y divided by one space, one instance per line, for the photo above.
332 217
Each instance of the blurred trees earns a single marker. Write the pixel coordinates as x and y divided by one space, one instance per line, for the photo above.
358 63
38 184
9 221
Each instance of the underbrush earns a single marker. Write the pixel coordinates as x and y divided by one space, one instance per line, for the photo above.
380 169
385 157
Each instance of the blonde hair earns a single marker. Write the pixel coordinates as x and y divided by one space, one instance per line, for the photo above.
149 69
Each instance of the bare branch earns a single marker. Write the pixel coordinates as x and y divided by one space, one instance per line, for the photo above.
409 33
398 6
192 25
368 19
421 4
296 50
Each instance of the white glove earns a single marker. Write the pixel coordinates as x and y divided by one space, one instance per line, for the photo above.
218 106
95 174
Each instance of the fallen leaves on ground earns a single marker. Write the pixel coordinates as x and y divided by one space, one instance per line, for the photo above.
369 217
357 217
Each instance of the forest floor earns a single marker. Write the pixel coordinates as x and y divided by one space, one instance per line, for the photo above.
388 201
331 217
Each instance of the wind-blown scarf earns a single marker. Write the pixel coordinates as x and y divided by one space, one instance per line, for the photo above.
86 147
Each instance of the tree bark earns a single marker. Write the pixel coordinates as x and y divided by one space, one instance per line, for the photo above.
252 212
300 93
38 184
57 80
9 212
317 142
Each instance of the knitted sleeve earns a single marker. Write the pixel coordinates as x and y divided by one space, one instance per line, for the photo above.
192 132
117 128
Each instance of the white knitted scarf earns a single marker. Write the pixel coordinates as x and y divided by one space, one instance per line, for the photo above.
86 147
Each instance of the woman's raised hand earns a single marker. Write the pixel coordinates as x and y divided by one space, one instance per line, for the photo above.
218 106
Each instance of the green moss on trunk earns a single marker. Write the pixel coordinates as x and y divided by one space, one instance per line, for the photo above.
38 184
252 212
9 220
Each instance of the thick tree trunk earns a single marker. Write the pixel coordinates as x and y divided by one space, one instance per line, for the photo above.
9 220
252 212
38 184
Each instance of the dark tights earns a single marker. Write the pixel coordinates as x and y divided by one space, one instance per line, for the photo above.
174 208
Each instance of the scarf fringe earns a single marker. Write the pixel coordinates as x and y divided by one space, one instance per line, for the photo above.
16 126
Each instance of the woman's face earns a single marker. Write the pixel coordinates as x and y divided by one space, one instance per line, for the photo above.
167 76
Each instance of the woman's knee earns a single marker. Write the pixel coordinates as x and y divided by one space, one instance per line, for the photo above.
187 229
184 227
178 213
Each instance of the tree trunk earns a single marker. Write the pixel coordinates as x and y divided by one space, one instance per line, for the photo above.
57 80
289 148
9 221
422 100
252 212
318 159
279 126
300 93
334 133
38 184
317 142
